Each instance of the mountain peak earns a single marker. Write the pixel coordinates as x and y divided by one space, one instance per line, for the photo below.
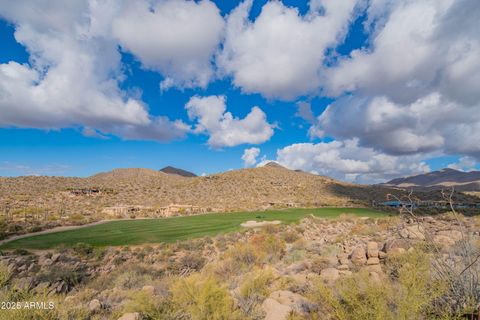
178 172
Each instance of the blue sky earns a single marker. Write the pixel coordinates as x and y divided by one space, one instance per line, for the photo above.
289 59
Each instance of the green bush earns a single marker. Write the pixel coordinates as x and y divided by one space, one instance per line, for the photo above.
82 249
203 297
408 292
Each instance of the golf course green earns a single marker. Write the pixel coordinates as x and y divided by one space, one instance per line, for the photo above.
134 232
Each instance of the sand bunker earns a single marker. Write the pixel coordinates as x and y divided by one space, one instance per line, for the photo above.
257 224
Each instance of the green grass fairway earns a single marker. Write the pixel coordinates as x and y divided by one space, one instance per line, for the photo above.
131 232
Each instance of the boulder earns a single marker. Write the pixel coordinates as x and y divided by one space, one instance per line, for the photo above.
287 298
94 305
415 232
330 274
274 310
45 262
372 249
130 316
394 244
358 256
342 258
149 289
55 257
374 268
443 240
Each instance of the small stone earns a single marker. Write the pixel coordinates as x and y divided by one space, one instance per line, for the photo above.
373 261
343 267
382 255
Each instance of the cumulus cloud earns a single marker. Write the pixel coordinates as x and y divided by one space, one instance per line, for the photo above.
223 128
428 124
346 160
73 73
412 55
415 89
177 38
281 53
249 156
464 164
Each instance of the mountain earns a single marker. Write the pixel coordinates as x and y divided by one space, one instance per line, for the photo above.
177 171
445 178
270 186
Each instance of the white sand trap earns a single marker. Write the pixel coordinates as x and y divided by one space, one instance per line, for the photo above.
257 224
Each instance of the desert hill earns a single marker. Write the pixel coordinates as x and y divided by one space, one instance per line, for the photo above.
445 178
245 189
270 186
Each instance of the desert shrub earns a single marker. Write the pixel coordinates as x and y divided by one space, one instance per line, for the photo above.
21 252
5 275
82 249
416 288
253 290
70 275
290 236
271 229
409 292
76 218
271 247
132 279
203 297
255 285
294 255
242 255
150 306
356 297
192 261
320 263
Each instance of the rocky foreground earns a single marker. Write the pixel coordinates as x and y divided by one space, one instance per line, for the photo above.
272 272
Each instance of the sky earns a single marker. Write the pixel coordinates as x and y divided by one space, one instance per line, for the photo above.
359 90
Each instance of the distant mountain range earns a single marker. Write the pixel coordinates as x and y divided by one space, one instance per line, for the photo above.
177 171
446 178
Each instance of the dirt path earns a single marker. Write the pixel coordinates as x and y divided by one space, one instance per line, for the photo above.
58 229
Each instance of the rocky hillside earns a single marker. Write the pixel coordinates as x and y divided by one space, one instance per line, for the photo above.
314 270
445 178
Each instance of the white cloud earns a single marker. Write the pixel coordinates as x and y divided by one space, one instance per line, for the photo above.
464 164
429 124
346 160
73 75
223 128
421 47
281 53
415 90
177 38
249 156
